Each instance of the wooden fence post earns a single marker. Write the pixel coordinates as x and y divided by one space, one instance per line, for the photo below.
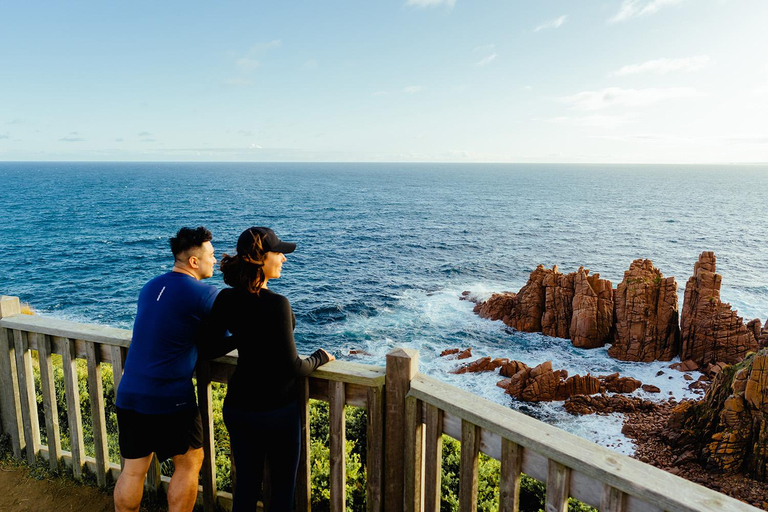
204 397
402 365
10 402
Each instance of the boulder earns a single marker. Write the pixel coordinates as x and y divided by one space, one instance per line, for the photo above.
647 325
528 304
542 384
497 307
449 351
728 430
710 330
466 354
558 304
615 384
755 327
605 404
512 367
484 364
763 341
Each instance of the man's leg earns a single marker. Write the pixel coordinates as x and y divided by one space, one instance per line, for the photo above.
182 491
130 484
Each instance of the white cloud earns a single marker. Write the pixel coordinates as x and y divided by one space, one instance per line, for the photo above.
528 88
379 93
617 97
636 8
486 60
429 3
247 65
72 137
144 134
413 89
556 23
665 65
748 139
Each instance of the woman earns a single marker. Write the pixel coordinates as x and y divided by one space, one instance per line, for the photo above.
261 410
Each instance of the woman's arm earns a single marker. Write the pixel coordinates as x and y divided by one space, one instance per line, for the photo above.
285 322
213 339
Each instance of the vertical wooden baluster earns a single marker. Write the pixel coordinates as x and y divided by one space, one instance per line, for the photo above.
336 399
402 366
558 484
204 397
433 467
303 477
375 449
613 500
27 395
72 391
413 456
11 398
470 453
116 353
96 394
511 468
51 410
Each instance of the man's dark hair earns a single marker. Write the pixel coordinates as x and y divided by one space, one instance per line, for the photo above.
188 238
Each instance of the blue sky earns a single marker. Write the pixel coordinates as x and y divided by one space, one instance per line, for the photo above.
636 81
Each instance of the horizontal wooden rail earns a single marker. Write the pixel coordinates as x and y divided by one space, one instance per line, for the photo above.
646 487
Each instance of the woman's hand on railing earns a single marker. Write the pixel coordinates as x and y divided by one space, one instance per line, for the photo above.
331 357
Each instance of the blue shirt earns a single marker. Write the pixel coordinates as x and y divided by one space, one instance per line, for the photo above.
158 370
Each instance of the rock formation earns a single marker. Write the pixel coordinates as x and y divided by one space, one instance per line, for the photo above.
592 321
497 307
755 327
647 325
542 384
728 430
710 330
484 364
605 404
576 306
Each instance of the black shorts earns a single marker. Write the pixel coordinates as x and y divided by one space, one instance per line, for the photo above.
165 434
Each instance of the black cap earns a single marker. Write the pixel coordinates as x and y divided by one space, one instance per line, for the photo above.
269 241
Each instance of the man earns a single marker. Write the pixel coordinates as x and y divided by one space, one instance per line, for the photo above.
156 407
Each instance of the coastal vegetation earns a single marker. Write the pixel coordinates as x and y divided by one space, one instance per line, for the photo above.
532 491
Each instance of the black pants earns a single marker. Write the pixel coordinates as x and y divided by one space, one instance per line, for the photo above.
258 435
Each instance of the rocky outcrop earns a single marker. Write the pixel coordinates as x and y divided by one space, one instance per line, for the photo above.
484 364
542 383
607 404
497 307
710 330
647 325
728 430
576 306
592 321
755 327
763 340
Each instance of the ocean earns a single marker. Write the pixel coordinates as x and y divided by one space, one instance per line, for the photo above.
385 250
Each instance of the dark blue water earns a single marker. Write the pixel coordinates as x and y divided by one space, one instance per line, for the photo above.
384 250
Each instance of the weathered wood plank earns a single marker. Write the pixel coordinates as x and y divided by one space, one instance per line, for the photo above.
153 482
303 476
351 373
72 392
50 409
413 456
117 359
205 398
12 420
433 458
27 395
558 482
613 500
337 445
470 454
96 394
402 366
511 468
66 329
653 485
375 449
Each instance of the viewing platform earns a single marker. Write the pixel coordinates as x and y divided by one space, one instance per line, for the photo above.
407 415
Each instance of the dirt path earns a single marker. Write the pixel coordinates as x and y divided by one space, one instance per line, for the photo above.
21 492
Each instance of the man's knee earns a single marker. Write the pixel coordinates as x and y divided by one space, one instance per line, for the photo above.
192 460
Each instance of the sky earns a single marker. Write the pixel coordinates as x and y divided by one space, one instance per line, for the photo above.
594 81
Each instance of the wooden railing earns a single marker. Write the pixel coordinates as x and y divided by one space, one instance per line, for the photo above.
406 419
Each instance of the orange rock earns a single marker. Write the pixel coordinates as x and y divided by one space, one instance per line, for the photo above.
497 307
592 319
465 355
647 325
710 330
484 364
616 384
511 368
449 352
